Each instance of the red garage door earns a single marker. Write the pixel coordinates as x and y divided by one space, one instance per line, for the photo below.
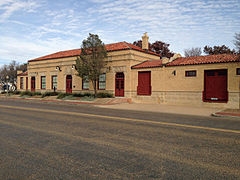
215 85
144 83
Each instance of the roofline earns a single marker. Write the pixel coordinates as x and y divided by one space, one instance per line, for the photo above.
129 48
138 64
50 58
202 63
148 67
22 74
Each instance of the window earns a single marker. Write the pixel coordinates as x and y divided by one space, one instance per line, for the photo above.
21 83
43 82
238 71
190 73
85 83
102 81
54 82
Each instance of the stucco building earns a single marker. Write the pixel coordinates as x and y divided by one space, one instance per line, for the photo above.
142 75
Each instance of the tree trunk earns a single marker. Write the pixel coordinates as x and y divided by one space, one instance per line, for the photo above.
95 88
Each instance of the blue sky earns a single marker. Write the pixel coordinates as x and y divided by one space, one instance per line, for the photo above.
33 28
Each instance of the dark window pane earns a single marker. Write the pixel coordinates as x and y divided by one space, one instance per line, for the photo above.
238 71
190 73
210 73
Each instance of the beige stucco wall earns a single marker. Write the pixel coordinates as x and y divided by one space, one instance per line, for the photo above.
117 61
168 88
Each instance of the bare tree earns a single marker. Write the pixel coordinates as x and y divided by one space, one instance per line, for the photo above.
10 70
194 51
237 42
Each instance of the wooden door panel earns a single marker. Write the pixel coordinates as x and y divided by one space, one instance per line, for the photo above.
215 85
119 84
144 83
69 84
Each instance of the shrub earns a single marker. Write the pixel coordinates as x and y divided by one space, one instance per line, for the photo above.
29 93
78 95
49 94
62 95
36 93
16 92
104 95
26 93
88 94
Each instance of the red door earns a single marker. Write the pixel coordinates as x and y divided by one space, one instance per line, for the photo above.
69 84
33 84
144 83
119 84
215 85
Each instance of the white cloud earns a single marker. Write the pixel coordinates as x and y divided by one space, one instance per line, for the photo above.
9 7
22 50
182 23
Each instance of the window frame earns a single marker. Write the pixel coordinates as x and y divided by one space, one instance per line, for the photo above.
85 80
53 82
42 82
237 71
99 82
191 75
21 82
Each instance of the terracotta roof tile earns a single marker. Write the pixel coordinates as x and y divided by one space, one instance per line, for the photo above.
220 58
148 64
23 74
109 47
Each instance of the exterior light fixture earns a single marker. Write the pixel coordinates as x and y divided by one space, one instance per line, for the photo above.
58 68
174 72
74 66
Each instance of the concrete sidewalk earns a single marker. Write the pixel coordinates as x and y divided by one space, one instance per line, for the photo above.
125 103
176 109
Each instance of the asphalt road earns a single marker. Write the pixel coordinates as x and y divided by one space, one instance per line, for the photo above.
54 141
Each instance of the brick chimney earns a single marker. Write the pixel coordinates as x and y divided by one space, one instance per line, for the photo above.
145 41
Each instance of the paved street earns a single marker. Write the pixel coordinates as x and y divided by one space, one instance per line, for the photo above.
54 141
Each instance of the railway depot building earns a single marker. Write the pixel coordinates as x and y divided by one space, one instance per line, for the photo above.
143 76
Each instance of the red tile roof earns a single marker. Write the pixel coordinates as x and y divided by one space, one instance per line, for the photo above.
23 74
109 47
148 64
220 58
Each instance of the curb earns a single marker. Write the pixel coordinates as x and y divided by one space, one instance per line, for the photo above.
217 114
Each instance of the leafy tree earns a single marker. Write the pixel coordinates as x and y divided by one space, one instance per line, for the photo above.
218 50
90 64
237 42
158 47
193 52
